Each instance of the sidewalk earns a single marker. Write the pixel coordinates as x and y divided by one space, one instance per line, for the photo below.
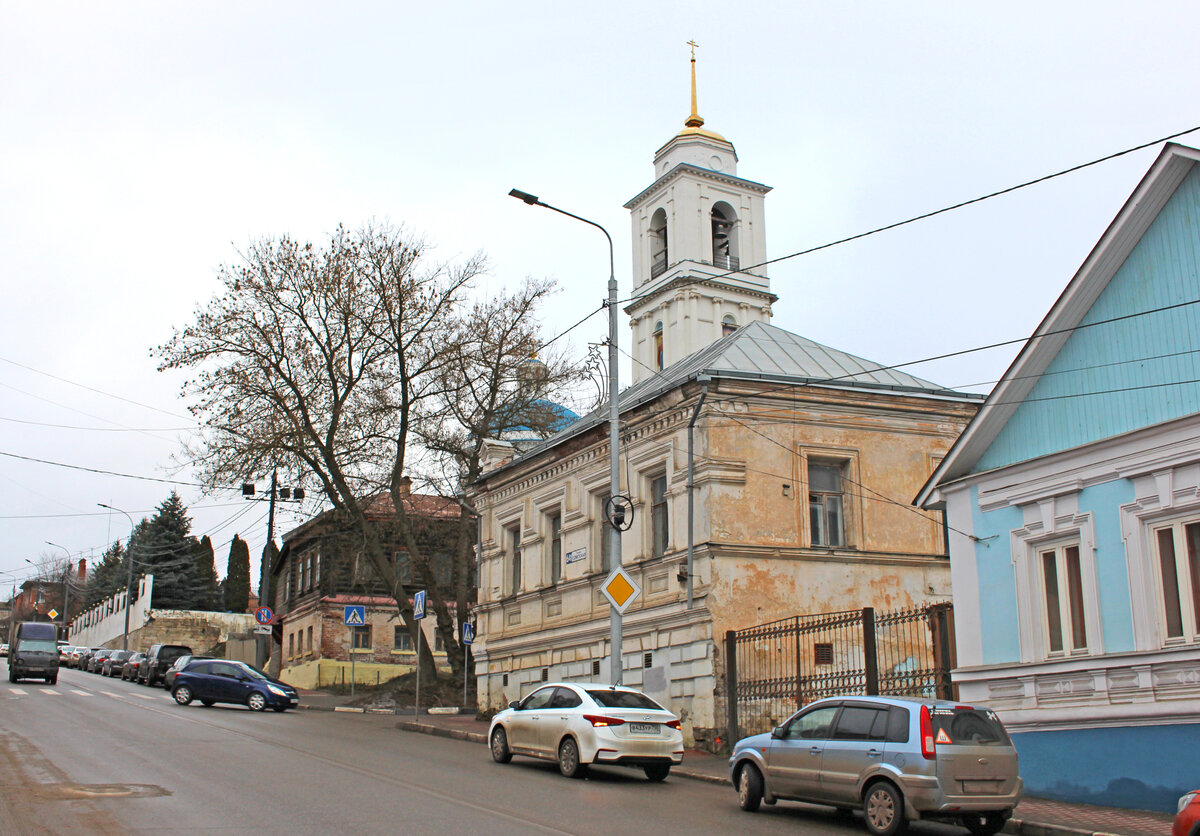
1033 816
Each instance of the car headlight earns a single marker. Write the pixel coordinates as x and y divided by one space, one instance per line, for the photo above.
279 692
1186 800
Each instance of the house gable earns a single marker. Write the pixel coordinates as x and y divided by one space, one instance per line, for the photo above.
1118 361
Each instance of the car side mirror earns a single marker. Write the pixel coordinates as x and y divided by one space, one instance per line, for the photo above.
779 732
513 705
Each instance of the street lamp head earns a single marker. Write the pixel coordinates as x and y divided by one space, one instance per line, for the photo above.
532 200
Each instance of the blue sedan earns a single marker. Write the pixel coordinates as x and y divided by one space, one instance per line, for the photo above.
222 680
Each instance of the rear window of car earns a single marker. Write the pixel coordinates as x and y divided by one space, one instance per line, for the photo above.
969 726
623 699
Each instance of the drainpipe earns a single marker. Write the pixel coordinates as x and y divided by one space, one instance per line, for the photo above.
703 380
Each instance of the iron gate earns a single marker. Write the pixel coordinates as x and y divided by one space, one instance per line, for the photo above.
773 669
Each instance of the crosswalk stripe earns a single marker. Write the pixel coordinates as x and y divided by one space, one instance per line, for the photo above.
18 691
111 694
143 697
51 692
81 693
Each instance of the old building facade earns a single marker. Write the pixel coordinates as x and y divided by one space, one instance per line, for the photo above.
803 459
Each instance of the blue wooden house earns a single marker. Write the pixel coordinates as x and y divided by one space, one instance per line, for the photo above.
1072 502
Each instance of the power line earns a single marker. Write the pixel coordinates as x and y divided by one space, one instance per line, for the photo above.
92 389
946 209
101 513
103 472
573 327
117 429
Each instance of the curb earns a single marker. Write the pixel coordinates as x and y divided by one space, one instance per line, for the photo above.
478 737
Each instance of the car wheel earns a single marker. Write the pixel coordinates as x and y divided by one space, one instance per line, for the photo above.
182 694
658 771
750 788
52 680
884 809
568 759
207 703
984 824
256 701
499 746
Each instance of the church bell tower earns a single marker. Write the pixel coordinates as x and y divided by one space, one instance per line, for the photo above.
698 238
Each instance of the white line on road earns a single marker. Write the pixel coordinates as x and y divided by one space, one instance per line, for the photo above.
51 692
111 694
81 693
143 697
18 691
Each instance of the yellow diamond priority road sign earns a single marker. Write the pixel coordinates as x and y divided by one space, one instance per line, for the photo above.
620 589
53 613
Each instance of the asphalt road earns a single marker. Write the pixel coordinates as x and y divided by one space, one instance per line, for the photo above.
101 756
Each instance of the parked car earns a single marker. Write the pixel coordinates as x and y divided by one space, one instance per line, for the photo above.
158 658
115 662
178 665
4 649
130 668
64 650
85 658
579 724
885 755
222 680
96 660
1187 819
34 652
73 657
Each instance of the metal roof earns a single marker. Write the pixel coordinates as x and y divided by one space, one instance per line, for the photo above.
757 351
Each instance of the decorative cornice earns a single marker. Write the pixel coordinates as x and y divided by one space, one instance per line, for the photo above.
681 283
696 171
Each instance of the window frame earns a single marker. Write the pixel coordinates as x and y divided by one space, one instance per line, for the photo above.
825 542
1065 614
1187 580
554 551
660 515
357 644
515 579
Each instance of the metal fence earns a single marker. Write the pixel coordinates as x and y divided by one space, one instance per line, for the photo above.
773 669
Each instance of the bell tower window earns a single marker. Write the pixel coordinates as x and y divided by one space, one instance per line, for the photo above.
658 243
724 237
658 346
728 325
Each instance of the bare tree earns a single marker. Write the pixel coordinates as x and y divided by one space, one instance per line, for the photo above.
322 360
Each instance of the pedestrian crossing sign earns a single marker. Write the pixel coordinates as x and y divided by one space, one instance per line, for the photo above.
356 615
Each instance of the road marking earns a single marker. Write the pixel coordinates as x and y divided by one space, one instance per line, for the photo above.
81 693
143 697
111 694
18 691
51 692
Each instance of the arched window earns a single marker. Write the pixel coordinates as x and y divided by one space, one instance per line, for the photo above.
658 243
728 325
658 346
724 237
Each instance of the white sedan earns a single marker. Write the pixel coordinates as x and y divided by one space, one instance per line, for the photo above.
578 724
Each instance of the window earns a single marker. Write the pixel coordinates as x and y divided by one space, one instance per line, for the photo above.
437 642
1062 583
728 325
1178 570
861 723
361 637
813 725
514 550
724 238
825 505
658 346
402 640
304 564
403 568
291 645
310 644
555 548
658 243
658 516
316 572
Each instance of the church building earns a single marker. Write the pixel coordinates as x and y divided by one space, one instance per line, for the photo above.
803 461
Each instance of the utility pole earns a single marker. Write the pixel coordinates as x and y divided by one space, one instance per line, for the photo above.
278 494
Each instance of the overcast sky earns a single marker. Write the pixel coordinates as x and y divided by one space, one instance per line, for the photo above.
142 144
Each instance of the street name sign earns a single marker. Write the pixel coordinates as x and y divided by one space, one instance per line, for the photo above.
356 615
620 589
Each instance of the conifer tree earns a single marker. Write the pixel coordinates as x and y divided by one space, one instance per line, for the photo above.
237 576
204 589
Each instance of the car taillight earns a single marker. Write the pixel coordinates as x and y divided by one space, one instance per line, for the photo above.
599 721
674 724
928 747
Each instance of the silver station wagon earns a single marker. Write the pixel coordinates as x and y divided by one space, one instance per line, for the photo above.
895 758
579 724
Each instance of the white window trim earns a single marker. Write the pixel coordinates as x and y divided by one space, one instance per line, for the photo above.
1163 506
1191 634
1052 529
852 510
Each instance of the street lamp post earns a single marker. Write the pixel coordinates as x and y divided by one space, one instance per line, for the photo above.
66 586
613 558
128 572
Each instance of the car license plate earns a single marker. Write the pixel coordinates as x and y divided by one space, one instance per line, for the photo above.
981 787
643 728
